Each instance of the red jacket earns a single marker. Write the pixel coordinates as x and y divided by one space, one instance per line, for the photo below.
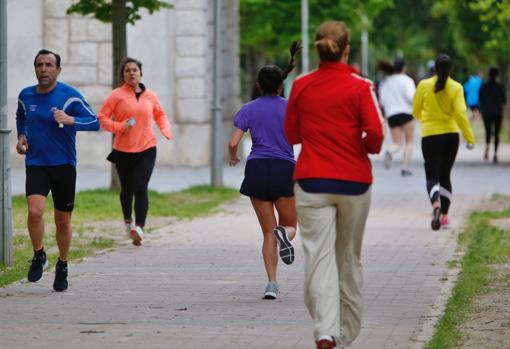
334 114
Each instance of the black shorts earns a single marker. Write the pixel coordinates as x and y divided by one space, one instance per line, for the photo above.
61 180
268 179
399 120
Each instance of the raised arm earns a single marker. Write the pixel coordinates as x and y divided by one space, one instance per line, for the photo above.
291 124
418 102
105 116
84 118
460 116
371 120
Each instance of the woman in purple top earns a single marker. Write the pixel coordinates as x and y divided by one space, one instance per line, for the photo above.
269 168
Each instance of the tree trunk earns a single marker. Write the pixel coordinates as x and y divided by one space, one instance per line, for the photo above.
119 39
504 78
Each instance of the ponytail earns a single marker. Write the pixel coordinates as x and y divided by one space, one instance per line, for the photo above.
443 68
331 39
270 77
295 47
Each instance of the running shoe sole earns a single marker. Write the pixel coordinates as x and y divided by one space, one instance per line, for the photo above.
269 295
286 249
137 239
435 224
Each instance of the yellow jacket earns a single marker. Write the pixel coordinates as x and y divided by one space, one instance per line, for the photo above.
442 112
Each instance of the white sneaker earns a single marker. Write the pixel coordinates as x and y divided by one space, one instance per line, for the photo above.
272 290
136 234
128 225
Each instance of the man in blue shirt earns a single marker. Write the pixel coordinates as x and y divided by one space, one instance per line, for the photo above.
48 116
471 91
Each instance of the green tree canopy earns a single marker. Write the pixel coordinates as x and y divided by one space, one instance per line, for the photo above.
102 9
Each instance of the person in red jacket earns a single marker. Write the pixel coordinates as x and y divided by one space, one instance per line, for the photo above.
334 114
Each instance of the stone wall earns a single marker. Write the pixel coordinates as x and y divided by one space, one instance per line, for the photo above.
176 49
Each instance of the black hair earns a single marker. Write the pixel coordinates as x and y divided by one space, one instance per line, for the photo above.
399 64
47 52
493 74
123 65
443 68
270 77
385 67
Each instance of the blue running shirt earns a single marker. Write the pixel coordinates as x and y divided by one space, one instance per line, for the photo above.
48 144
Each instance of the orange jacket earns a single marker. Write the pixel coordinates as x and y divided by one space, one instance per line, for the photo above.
121 105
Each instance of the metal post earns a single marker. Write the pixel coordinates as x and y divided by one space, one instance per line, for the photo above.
364 45
5 179
305 63
217 151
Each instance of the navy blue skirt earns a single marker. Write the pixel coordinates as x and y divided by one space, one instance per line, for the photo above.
268 179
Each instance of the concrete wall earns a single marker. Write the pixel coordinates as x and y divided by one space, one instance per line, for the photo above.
175 47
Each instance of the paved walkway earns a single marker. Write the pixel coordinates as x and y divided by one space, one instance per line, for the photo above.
199 283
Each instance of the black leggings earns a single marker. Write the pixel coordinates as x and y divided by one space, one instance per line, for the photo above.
488 121
439 152
135 170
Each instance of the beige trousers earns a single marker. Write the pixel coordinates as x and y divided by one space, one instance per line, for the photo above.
332 228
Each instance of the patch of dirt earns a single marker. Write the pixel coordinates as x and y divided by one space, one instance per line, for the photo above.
502 223
495 203
488 325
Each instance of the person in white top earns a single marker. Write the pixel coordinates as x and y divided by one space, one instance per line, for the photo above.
396 94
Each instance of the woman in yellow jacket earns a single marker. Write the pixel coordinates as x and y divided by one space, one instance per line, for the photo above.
440 106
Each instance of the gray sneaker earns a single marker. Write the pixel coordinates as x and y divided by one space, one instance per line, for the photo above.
272 290
387 160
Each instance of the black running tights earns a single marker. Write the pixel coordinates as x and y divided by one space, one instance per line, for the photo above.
488 121
135 170
439 152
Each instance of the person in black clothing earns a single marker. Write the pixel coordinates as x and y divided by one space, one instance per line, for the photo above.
492 98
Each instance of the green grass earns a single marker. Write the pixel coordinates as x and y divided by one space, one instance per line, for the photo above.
101 205
485 245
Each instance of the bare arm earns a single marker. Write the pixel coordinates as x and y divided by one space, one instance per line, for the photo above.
237 135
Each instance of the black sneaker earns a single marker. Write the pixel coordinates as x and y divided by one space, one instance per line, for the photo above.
285 247
405 173
435 224
60 283
39 262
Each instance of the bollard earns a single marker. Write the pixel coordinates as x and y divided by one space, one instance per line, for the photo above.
5 195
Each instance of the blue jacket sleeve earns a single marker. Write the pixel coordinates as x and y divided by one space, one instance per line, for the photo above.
84 118
20 117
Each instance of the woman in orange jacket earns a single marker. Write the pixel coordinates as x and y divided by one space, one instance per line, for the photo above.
127 113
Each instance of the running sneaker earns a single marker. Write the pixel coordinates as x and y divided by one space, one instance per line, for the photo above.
136 234
39 262
60 283
326 342
128 226
445 223
285 247
387 160
435 224
406 173
272 290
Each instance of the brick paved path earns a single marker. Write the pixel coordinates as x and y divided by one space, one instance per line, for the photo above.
198 284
